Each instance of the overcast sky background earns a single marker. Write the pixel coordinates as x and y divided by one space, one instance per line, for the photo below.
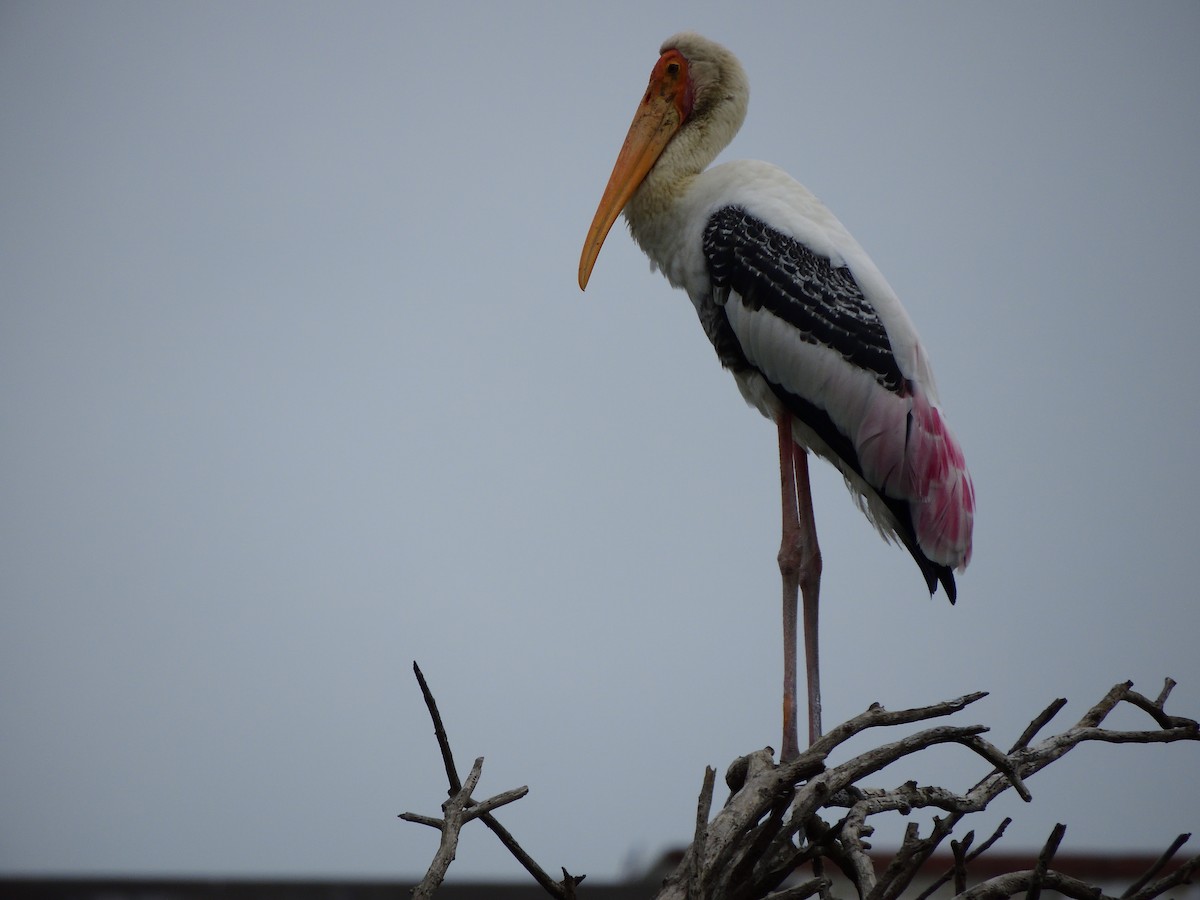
297 386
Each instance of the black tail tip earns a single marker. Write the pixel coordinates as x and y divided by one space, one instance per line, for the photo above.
951 589
945 575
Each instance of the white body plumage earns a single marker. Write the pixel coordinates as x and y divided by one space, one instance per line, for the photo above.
796 309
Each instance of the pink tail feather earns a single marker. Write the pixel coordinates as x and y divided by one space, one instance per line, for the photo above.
908 452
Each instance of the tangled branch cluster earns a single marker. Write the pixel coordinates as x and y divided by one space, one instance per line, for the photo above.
772 823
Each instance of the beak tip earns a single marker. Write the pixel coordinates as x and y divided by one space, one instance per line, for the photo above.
585 274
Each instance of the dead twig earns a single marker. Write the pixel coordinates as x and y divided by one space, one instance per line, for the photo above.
1039 722
1161 862
461 808
703 809
979 851
1043 861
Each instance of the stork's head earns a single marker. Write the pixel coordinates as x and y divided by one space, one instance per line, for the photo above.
693 106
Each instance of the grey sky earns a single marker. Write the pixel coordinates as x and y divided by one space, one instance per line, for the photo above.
296 386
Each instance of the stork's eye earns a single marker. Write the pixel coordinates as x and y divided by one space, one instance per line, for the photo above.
673 68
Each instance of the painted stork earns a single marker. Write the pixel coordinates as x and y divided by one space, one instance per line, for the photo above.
813 334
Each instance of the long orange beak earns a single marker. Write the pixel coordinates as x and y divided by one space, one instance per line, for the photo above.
663 110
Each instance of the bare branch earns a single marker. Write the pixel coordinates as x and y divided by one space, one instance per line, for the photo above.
439 731
1033 759
1182 875
1155 707
1097 713
1168 686
482 809
959 849
979 851
469 809
1003 886
454 809
1038 724
802 890
996 835
876 716
703 808
1167 854
423 820
1043 861
1003 763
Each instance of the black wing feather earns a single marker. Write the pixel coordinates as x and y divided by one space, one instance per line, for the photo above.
770 270
824 303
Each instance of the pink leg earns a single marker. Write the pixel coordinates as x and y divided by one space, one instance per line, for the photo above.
810 590
800 568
